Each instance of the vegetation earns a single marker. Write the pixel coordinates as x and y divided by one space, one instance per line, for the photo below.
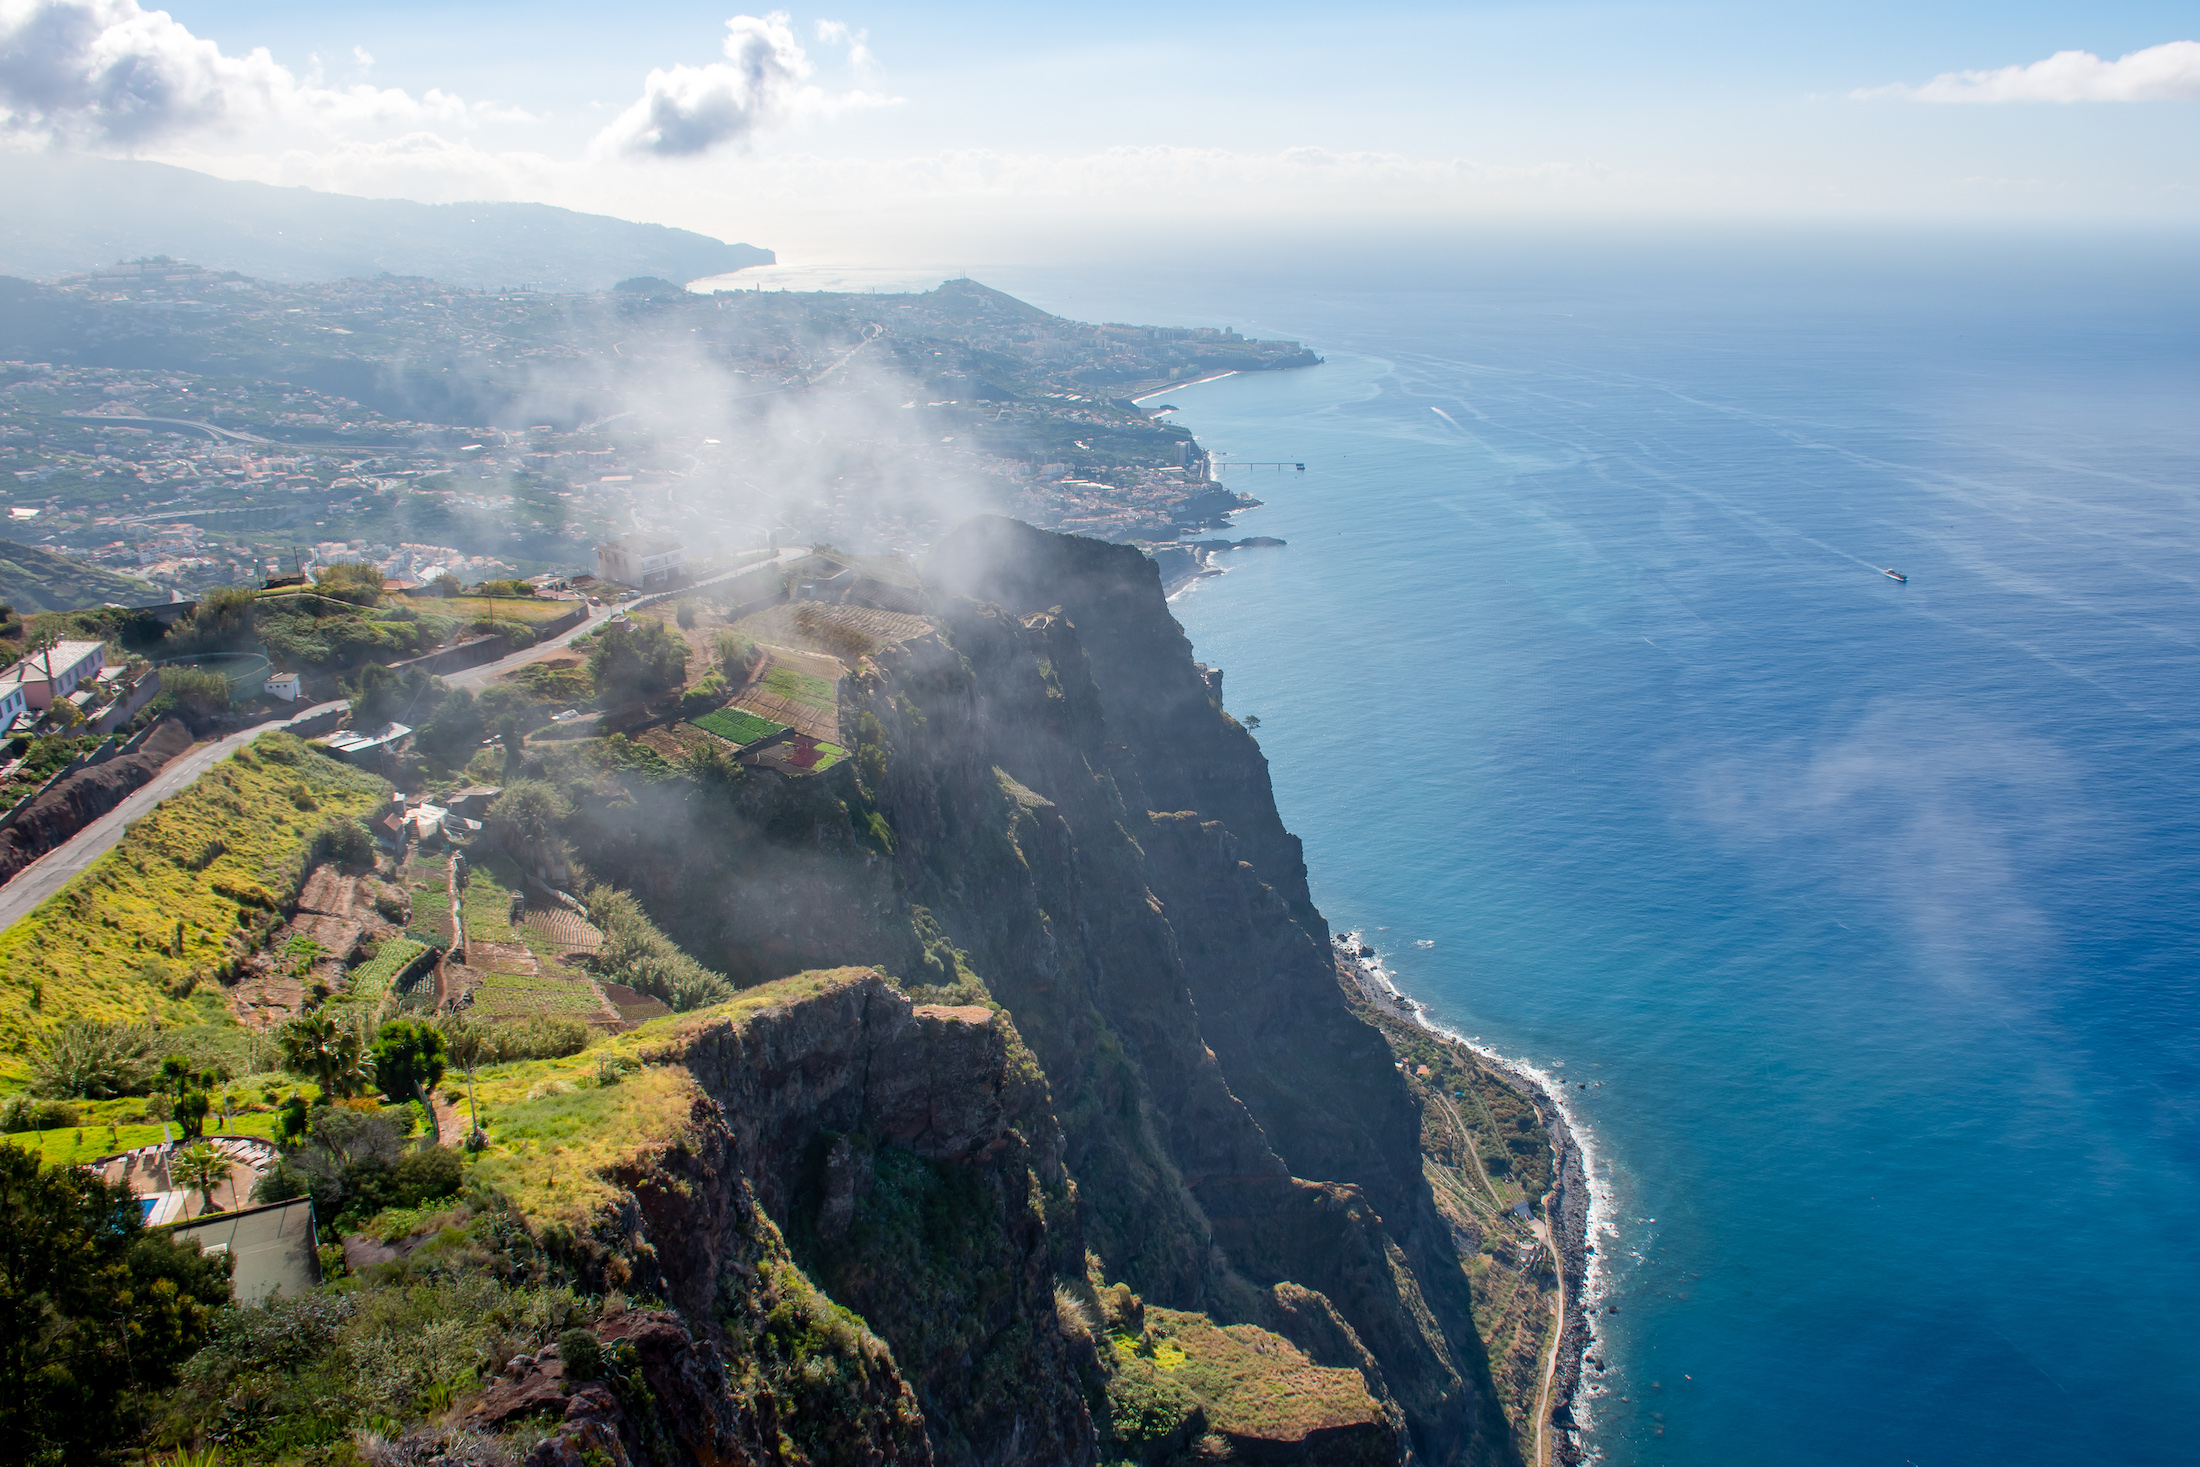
736 726
636 659
191 888
93 1311
94 1061
1169 1371
367 982
636 954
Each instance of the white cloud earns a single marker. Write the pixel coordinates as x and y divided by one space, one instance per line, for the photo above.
840 33
762 84
2166 73
110 73
362 55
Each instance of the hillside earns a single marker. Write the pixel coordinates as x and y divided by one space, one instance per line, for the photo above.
69 216
1022 1108
32 579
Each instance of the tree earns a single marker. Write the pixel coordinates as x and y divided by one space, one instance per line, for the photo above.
468 1046
737 655
408 1063
445 585
455 731
525 819
93 1311
96 1061
325 1052
684 612
200 1168
636 659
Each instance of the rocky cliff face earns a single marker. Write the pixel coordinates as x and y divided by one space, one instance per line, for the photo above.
1049 821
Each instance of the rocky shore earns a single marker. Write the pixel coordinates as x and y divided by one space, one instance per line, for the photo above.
1566 1207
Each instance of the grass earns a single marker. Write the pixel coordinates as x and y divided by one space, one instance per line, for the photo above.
1250 1382
736 726
62 1146
555 1131
472 608
427 880
800 687
209 864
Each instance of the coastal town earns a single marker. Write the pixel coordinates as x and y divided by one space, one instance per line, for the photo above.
528 427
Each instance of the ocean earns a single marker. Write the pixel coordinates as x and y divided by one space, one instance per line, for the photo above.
1860 918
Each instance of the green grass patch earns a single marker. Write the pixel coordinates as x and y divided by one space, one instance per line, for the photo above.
186 885
800 687
1249 1382
555 1131
489 887
737 726
473 608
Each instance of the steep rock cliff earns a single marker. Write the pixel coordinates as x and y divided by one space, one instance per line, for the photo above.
1048 809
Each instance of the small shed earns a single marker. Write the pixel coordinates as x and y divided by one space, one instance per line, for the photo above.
286 686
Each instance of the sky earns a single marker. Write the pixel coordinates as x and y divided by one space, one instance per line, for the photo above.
893 132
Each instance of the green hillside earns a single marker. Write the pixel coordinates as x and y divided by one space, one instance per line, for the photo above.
32 579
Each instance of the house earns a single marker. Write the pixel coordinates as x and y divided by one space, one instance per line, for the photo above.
645 562
286 686
11 704
55 671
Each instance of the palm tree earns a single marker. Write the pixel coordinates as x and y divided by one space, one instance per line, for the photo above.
331 1055
200 1168
468 1046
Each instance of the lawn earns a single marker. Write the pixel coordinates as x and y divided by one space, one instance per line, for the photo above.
736 726
124 939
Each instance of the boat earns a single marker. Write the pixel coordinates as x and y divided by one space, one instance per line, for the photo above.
1894 575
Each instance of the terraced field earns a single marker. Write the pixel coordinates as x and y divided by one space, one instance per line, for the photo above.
736 726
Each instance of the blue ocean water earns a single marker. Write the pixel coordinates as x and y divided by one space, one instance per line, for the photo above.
1869 910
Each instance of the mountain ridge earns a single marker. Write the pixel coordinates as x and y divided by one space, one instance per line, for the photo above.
74 215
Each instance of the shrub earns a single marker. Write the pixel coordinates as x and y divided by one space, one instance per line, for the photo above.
636 954
25 1113
580 1355
737 655
346 842
408 1059
684 613
94 1061
427 1175
704 695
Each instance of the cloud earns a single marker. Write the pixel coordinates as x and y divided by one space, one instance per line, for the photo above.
2166 73
762 84
840 33
111 73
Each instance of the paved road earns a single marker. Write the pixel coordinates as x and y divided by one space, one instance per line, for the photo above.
52 871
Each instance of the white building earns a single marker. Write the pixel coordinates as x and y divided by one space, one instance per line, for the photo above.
43 676
645 562
286 686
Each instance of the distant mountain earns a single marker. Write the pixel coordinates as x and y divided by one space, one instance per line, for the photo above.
32 579
69 214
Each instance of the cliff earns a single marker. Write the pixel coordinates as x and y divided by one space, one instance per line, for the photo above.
1049 1127
1048 810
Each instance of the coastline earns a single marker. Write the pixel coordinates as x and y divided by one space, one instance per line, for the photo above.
1573 1209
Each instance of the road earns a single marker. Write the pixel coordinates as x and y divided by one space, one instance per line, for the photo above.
52 871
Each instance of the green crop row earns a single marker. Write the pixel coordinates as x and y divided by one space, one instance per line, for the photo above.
736 725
